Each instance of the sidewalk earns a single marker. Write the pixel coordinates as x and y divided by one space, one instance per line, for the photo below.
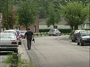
22 51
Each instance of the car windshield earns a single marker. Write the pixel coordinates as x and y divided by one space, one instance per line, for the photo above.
85 34
77 31
6 35
10 32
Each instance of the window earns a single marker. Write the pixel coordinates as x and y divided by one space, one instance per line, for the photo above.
55 26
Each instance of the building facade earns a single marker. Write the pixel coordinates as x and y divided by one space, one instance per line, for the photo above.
34 27
0 21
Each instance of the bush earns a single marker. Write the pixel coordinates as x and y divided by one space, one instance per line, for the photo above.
65 30
44 30
86 29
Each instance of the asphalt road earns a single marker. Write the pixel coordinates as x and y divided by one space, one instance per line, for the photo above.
58 51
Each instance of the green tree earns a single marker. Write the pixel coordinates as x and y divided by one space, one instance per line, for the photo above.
27 13
74 13
87 9
53 16
8 14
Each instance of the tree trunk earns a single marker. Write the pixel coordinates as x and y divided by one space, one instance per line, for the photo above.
19 27
10 27
76 27
26 26
7 28
71 27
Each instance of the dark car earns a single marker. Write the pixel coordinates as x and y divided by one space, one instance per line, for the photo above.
75 35
83 38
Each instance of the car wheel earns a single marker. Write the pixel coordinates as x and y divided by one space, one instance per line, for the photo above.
49 34
16 51
73 40
78 43
82 44
19 43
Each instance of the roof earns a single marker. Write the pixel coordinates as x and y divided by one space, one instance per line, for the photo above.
43 22
87 22
62 22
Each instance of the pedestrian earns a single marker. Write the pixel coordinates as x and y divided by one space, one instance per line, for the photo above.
29 36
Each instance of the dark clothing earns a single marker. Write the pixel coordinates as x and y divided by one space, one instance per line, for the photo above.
29 44
29 34
29 38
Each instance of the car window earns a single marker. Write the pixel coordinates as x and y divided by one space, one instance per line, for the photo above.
77 31
7 36
85 34
10 32
57 30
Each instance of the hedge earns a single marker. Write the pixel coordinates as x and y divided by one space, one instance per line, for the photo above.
62 30
65 30
86 29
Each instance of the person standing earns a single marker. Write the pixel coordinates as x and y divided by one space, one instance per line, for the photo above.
29 36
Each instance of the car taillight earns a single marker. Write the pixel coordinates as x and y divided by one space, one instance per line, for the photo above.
16 36
14 43
75 34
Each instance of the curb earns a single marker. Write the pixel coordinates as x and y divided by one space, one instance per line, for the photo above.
24 56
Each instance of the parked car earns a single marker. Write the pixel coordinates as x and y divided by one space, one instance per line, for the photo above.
15 32
22 33
83 38
75 35
8 42
55 32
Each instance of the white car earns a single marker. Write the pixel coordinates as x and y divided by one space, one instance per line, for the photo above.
55 32
15 32
8 42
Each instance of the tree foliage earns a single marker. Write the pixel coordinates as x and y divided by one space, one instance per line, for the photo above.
87 10
53 16
27 13
8 14
74 13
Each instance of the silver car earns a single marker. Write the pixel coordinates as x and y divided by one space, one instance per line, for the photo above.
75 35
55 32
16 33
8 42
83 38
